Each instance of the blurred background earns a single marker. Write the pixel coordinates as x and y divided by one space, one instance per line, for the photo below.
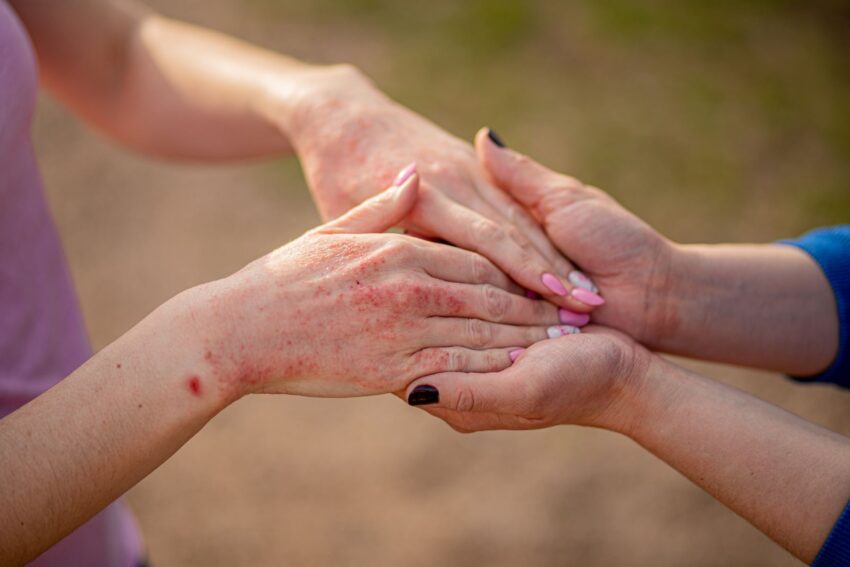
714 121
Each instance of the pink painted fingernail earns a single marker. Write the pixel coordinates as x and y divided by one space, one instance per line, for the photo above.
561 330
580 279
532 294
572 318
554 284
514 354
404 175
587 297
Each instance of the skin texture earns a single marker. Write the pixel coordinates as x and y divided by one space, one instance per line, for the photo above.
752 456
766 306
170 89
394 308
266 329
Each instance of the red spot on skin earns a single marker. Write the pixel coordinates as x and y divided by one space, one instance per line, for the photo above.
194 385
118 365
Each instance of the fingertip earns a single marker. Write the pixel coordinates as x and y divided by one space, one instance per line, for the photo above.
486 148
423 395
407 193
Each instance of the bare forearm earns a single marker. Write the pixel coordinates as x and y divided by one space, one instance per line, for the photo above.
165 87
786 476
767 306
76 448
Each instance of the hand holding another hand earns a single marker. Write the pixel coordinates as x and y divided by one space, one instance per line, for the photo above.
629 260
339 312
351 139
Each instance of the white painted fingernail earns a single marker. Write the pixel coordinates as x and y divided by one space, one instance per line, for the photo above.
560 330
579 279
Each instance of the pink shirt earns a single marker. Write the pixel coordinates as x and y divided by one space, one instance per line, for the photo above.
42 337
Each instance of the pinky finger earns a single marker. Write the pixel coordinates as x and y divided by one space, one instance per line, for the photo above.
458 359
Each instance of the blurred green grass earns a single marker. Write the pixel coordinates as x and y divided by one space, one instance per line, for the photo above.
713 120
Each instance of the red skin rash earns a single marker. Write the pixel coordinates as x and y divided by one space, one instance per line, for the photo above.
194 385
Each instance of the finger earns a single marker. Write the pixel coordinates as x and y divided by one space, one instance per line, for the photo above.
494 392
498 242
478 334
489 303
538 188
458 359
451 264
542 191
528 227
381 212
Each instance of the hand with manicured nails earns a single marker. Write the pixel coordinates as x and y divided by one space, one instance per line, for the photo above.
765 306
339 312
351 139
569 380
624 256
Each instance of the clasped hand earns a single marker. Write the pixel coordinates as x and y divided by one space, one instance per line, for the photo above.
348 310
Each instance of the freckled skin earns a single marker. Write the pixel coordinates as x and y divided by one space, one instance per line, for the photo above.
326 308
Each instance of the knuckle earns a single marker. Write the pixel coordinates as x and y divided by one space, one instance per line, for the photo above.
479 332
465 399
496 360
514 234
457 360
391 250
486 230
480 268
496 302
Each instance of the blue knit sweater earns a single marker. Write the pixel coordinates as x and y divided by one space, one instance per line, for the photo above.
830 248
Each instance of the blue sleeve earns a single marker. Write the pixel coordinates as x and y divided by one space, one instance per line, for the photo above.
830 248
836 549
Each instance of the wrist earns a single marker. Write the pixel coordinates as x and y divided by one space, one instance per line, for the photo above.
629 368
200 330
637 404
680 297
311 98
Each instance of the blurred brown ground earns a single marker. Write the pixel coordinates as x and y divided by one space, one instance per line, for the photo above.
714 121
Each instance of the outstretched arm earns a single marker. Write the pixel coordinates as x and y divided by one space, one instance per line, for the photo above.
786 476
180 91
398 308
768 306
166 87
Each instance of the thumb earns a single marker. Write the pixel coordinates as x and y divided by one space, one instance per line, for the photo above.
535 186
381 212
464 392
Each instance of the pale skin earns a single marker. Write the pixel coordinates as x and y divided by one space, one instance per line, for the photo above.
767 306
291 322
755 458
179 91
151 83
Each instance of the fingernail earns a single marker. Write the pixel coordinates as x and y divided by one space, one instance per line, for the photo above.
423 396
532 294
554 284
579 279
587 297
495 138
572 318
561 330
514 354
404 175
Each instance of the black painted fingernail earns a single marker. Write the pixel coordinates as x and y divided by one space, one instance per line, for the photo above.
495 138
423 395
